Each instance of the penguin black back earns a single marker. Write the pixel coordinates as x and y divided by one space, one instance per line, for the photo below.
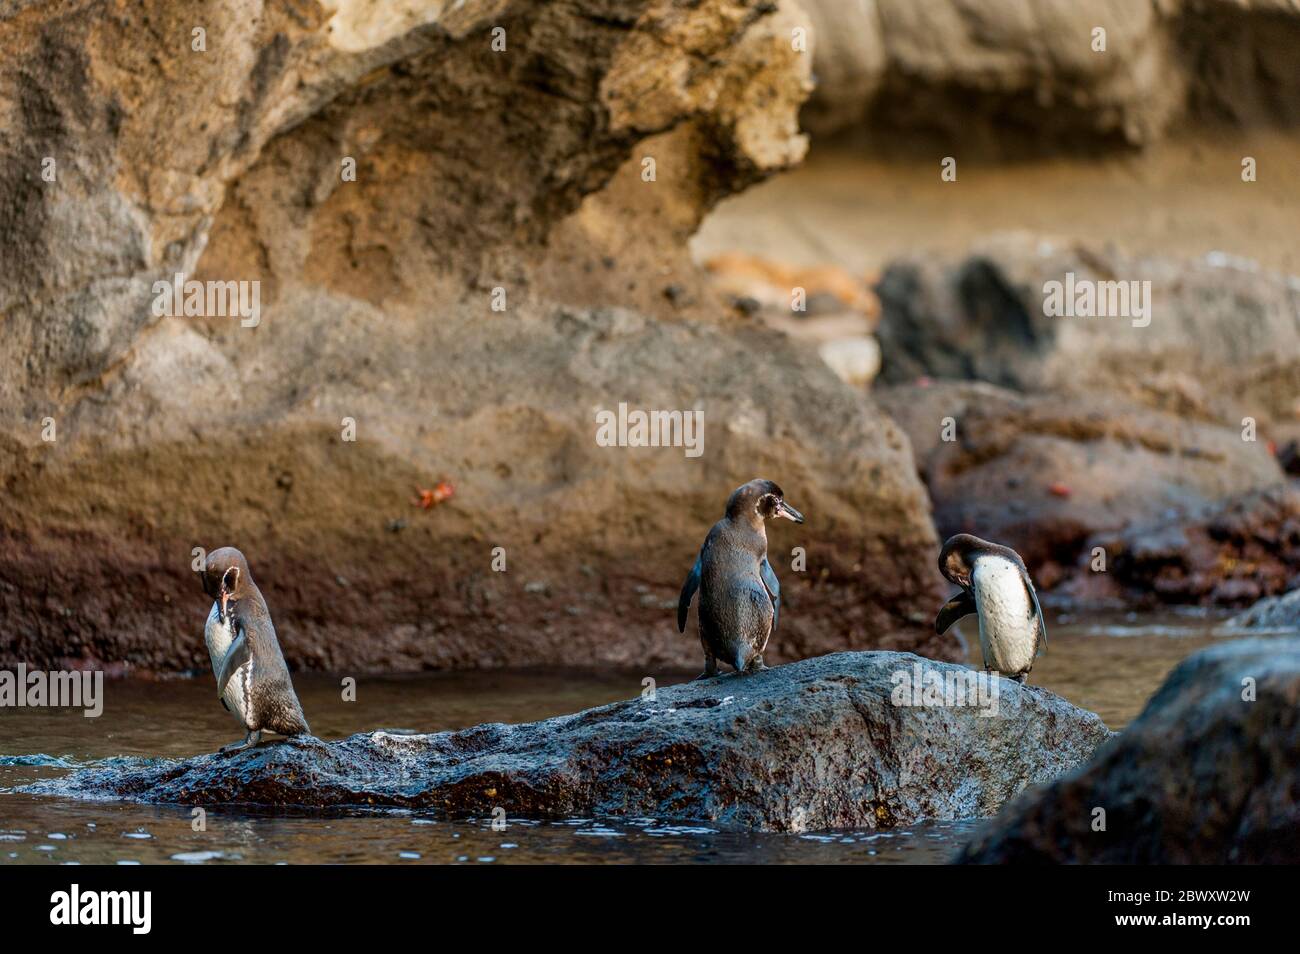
740 597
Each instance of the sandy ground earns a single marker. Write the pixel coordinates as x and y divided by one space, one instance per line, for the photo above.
1181 198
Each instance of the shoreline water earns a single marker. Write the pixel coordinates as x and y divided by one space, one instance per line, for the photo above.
1110 666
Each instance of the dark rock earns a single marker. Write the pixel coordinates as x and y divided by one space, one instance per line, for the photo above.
1288 458
1272 612
1112 431
1203 776
967 324
812 745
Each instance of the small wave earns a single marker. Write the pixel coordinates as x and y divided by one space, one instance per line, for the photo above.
599 832
198 857
1134 632
678 830
59 788
39 760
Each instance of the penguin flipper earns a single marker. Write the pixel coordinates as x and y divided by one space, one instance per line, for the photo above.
963 604
1041 646
688 593
236 656
773 587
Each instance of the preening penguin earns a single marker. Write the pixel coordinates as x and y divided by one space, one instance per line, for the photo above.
740 598
995 586
252 678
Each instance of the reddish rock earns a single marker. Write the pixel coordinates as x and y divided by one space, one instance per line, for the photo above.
1229 554
1137 477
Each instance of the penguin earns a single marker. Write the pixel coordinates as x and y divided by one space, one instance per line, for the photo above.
995 586
740 599
252 678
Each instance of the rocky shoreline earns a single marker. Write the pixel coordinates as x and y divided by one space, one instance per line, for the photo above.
1208 774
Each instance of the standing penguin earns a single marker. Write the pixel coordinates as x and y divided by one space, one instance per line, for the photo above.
740 599
252 678
996 586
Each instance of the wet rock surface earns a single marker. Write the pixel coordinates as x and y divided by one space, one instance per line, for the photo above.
812 745
1272 612
1203 776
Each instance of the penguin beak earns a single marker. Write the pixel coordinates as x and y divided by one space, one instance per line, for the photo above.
783 509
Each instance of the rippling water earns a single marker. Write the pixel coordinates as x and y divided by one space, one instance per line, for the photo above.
1110 666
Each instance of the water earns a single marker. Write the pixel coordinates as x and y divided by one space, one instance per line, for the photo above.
1110 666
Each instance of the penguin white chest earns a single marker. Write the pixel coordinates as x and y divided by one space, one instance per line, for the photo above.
218 637
1007 617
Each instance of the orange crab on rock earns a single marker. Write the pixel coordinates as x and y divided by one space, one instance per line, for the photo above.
428 499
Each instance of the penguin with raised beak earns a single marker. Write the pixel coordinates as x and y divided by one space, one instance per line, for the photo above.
740 599
996 587
252 678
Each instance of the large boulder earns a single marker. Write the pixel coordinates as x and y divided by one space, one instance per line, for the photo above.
849 63
434 203
822 743
595 541
1208 774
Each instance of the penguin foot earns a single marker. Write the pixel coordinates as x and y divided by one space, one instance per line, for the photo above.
250 740
756 665
710 668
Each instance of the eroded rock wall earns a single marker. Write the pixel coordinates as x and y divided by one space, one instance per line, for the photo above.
513 177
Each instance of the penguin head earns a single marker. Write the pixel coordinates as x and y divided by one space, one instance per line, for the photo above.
226 578
957 558
760 500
